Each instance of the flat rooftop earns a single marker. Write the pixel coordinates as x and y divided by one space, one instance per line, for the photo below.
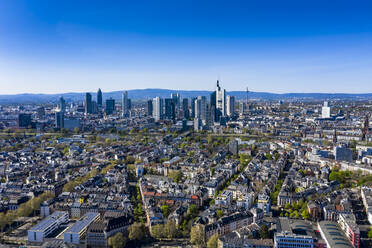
334 235
83 222
48 221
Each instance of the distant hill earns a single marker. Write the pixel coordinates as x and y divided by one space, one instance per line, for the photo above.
143 94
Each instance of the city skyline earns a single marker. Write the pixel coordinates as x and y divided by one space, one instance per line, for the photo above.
273 47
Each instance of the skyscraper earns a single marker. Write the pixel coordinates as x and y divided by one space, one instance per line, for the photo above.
149 107
24 120
88 103
230 105
242 108
213 105
110 106
177 100
125 104
220 102
99 98
201 108
59 119
60 114
94 107
185 108
62 104
170 109
326 111
157 112
192 103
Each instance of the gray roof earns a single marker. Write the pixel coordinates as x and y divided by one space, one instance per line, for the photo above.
45 223
83 222
334 235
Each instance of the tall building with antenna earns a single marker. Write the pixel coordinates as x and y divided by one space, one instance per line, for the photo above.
220 101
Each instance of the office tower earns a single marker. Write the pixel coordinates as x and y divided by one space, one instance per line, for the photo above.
24 120
208 116
110 106
220 102
149 108
88 103
129 104
157 111
124 104
62 104
59 119
242 108
213 104
170 109
99 98
94 107
247 99
201 108
197 124
185 108
176 99
193 107
230 105
326 111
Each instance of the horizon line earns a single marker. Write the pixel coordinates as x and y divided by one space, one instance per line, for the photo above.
177 90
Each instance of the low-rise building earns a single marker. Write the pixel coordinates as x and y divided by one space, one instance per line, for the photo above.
41 230
293 233
76 233
333 235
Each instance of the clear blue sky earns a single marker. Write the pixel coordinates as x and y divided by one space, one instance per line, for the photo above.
277 46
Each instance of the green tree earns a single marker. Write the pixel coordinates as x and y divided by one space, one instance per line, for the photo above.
136 231
269 156
370 233
264 232
213 241
157 231
296 214
219 213
176 176
197 236
3 221
305 214
66 151
165 210
117 241
171 229
192 211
